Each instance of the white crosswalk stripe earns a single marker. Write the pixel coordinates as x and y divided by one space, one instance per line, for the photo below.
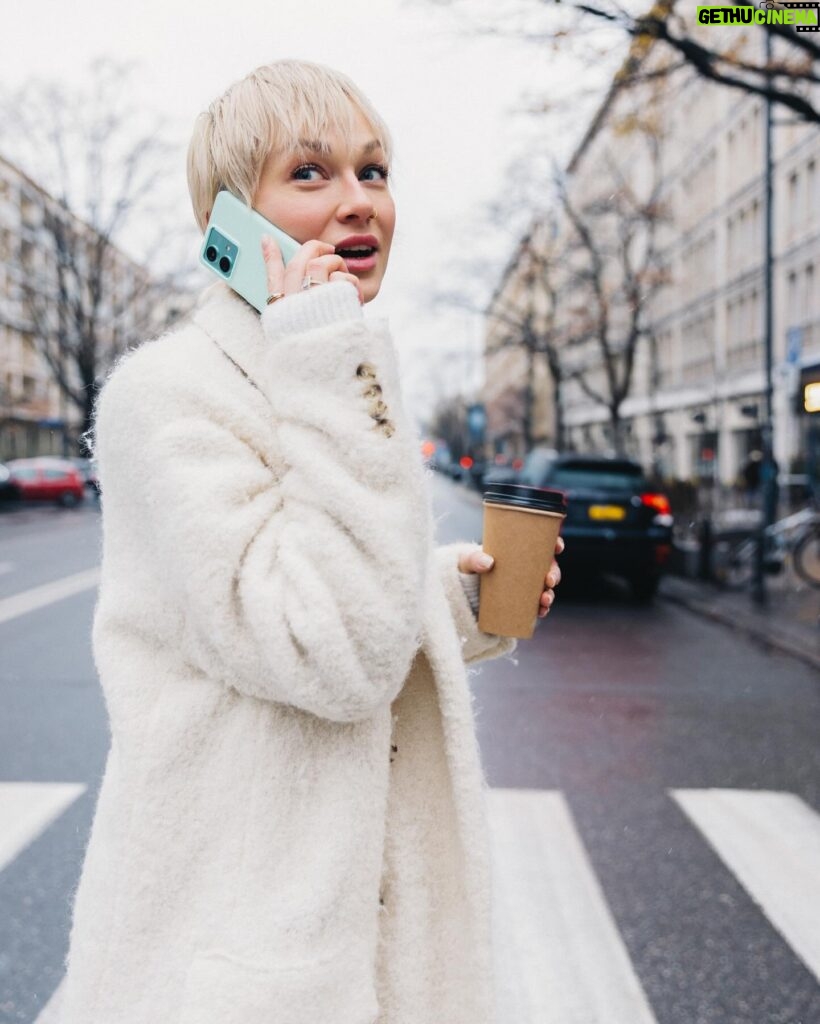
560 957
47 593
27 809
50 1014
771 842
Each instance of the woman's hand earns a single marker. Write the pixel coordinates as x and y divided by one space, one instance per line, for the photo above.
478 561
314 258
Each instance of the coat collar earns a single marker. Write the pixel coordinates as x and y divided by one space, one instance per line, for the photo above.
234 325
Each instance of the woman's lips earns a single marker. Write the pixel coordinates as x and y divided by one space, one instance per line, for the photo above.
360 263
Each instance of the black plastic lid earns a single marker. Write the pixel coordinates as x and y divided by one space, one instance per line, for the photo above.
539 498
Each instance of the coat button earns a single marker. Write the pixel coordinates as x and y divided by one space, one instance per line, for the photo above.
374 391
387 427
366 371
378 409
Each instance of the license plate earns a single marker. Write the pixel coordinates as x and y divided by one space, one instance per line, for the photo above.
607 512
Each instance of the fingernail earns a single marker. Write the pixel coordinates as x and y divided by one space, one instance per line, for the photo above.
551 579
485 560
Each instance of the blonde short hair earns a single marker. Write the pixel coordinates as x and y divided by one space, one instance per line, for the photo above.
270 110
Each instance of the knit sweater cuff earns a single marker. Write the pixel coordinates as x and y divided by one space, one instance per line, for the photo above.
314 307
470 581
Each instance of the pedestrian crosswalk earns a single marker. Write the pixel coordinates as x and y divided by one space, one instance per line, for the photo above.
755 832
27 809
560 958
559 954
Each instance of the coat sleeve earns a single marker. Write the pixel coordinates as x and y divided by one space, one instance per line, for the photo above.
476 645
301 584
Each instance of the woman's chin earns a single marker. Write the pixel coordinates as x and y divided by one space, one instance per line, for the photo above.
370 289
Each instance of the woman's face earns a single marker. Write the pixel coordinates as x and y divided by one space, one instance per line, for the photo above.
333 198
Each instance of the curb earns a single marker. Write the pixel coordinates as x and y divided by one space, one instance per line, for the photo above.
769 637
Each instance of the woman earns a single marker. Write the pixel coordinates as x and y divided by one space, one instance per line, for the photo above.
290 827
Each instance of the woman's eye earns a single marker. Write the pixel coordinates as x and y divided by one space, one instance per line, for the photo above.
306 168
377 167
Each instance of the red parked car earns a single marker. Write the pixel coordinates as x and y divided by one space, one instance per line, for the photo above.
46 478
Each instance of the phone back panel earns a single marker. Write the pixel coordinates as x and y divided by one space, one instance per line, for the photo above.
232 247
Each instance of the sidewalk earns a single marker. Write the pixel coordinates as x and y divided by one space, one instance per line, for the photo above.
789 622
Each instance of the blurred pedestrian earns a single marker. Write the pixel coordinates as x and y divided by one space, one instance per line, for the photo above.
291 821
750 473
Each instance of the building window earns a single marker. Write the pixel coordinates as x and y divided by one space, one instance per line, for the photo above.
794 202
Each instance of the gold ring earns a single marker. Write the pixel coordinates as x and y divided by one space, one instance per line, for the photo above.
274 297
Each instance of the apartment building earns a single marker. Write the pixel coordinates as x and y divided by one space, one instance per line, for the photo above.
36 415
517 374
698 388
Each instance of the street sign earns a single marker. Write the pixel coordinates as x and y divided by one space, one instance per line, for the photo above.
476 421
794 345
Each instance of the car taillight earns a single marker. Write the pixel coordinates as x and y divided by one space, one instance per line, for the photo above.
658 502
465 462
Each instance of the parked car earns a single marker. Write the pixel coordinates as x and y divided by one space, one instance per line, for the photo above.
504 469
88 471
615 521
47 478
10 492
441 459
472 471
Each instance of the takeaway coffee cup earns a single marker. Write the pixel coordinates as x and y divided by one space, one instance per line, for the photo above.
521 526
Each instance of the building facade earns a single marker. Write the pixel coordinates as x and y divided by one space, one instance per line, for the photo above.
697 399
518 392
37 417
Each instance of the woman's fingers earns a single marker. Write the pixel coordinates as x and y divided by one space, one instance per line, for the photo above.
312 254
319 266
553 578
274 265
559 545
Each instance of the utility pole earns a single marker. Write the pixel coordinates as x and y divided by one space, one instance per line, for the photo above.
768 475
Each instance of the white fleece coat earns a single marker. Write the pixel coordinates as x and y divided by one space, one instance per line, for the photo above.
291 825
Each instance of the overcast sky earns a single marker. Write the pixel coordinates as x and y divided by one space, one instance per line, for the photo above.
447 95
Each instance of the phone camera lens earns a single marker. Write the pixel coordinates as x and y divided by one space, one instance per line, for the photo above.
210 252
224 264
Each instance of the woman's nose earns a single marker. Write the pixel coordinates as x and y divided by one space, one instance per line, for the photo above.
356 199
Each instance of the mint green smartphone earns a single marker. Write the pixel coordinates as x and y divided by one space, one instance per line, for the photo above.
232 247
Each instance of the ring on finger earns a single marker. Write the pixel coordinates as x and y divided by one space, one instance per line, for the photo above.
274 297
308 282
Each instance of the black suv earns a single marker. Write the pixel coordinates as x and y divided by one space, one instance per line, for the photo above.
615 522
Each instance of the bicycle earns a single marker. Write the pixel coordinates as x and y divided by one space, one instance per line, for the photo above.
733 556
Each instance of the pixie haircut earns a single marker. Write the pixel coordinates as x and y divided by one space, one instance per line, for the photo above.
270 111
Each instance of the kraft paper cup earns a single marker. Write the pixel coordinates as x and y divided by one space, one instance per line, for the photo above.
521 526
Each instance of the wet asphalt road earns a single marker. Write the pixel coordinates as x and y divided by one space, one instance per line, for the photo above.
615 705
612 705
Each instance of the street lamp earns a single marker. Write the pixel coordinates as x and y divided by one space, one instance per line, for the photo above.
767 470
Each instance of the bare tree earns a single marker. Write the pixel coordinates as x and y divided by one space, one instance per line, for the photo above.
789 79
524 316
81 298
613 269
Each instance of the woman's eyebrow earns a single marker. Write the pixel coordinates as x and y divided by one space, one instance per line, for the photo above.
317 146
